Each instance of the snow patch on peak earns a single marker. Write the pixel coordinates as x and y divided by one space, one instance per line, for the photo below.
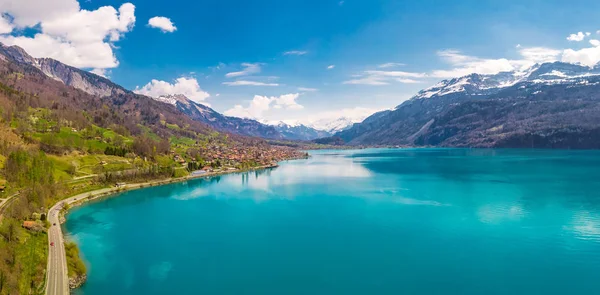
336 124
166 100
555 73
172 99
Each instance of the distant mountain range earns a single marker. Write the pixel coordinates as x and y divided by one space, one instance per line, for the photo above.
202 113
550 105
251 127
297 131
102 87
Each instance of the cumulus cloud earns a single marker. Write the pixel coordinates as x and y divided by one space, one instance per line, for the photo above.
465 64
261 104
295 52
595 42
77 37
249 83
585 56
163 23
5 26
101 72
28 13
577 37
540 54
330 67
184 85
249 69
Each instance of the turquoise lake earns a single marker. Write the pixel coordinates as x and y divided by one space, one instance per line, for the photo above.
375 221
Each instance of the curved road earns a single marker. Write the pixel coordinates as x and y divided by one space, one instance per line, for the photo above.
57 279
5 202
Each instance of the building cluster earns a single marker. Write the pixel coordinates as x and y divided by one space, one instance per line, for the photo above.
234 156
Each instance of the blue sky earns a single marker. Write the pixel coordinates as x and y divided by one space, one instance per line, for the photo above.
382 51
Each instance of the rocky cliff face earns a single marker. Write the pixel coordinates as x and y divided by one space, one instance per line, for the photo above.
77 281
550 105
70 76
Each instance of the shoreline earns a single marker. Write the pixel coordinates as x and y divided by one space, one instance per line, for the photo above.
83 198
57 215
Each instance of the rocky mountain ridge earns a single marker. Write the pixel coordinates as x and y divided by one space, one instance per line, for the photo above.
550 105
70 76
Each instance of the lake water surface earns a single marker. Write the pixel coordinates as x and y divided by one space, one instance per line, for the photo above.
389 221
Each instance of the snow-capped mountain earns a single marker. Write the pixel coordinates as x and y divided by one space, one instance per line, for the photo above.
550 105
298 131
477 84
334 125
325 127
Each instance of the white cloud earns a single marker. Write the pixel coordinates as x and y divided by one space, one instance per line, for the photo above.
407 81
307 89
396 74
249 69
295 52
540 54
101 72
5 26
28 13
577 37
163 23
249 83
586 56
379 78
369 80
465 64
390 65
261 104
80 38
186 86
330 67
461 65
288 101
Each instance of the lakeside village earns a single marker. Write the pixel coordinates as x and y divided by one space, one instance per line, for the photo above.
219 158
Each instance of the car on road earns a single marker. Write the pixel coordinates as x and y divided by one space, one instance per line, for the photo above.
54 223
51 243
